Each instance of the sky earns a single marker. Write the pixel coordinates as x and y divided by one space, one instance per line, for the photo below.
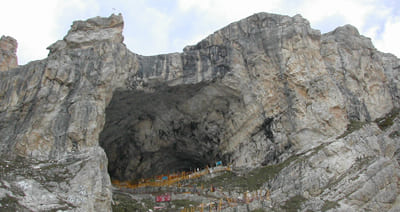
165 26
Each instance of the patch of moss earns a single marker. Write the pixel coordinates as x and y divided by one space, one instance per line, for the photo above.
149 203
329 205
394 134
10 204
294 204
387 121
258 210
353 126
257 177
227 180
383 123
250 181
184 203
124 203
362 162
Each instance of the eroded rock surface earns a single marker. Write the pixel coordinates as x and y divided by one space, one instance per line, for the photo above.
261 91
8 53
359 172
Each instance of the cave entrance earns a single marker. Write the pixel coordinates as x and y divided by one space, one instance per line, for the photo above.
169 130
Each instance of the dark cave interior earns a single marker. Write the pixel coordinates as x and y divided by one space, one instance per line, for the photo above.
170 129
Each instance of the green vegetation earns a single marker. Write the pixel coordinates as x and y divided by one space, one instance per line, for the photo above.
394 134
184 203
329 205
124 203
354 125
294 203
258 210
227 180
387 121
363 161
10 204
149 203
383 123
252 180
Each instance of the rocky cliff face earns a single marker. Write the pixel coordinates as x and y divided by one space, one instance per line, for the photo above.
8 50
264 90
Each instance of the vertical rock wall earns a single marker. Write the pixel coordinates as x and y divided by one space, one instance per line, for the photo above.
8 50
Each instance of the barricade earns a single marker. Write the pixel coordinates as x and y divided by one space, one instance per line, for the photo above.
168 180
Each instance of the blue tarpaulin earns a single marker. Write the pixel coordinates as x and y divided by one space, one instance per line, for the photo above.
219 163
165 177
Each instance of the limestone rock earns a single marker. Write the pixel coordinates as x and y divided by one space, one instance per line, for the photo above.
359 172
8 50
84 33
75 182
261 91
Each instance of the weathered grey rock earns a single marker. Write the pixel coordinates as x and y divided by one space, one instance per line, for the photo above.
357 68
8 53
257 92
357 173
74 182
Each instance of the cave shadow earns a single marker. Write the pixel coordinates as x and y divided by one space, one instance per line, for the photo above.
171 129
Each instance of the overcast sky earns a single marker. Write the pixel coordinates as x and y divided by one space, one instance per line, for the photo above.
164 26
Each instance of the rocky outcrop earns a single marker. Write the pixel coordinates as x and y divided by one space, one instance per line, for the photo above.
8 50
265 90
52 112
359 172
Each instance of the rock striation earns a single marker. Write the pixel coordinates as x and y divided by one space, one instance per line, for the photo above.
265 90
8 50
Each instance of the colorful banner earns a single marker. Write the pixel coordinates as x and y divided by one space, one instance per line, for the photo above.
163 198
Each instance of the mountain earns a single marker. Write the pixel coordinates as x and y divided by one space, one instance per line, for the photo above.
265 91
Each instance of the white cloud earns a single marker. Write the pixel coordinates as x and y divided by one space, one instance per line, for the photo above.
229 10
26 21
389 40
213 15
366 15
352 12
71 10
152 29
160 28
35 24
147 30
